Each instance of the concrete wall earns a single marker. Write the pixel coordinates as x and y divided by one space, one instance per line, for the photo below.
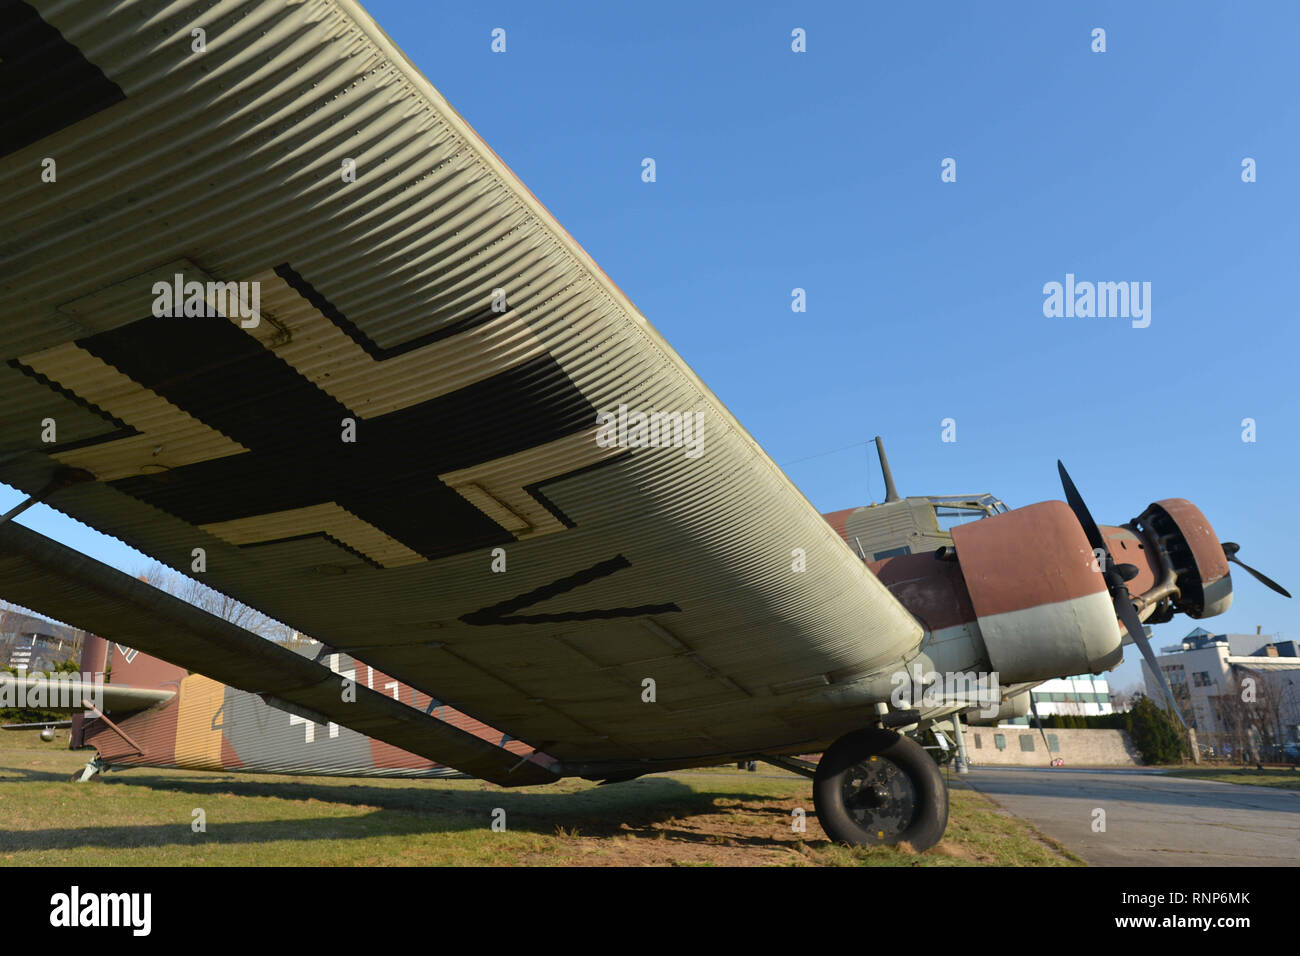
1078 748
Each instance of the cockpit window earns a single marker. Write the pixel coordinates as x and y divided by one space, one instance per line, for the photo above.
952 511
949 518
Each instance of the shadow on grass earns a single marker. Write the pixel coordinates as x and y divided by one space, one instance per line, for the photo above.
27 775
638 808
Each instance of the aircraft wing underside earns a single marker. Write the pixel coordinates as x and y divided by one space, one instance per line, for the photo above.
399 449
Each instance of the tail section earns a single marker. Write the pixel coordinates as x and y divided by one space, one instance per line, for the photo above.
207 725
132 668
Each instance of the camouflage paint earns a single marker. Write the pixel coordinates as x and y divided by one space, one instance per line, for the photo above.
210 726
198 737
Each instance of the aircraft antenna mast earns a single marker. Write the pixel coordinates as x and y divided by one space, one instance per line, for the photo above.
891 492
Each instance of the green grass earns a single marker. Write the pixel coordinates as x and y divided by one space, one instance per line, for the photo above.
711 817
1285 779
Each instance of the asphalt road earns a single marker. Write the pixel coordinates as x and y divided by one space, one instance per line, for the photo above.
1151 819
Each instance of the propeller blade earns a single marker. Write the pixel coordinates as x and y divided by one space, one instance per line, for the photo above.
1133 624
1075 501
1116 576
1263 578
1230 549
1033 709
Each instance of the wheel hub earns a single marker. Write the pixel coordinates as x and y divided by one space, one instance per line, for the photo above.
880 798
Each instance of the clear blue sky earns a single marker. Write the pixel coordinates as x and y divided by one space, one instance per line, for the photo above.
821 170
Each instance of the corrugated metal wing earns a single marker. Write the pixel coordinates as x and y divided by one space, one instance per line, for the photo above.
474 429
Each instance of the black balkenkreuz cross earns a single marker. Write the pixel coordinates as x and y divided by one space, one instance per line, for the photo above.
32 53
223 377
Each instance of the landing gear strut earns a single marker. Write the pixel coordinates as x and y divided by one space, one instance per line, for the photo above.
876 787
96 765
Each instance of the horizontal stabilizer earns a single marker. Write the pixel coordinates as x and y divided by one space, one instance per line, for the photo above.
52 693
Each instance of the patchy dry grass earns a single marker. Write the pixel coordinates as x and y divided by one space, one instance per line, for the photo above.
1284 779
713 817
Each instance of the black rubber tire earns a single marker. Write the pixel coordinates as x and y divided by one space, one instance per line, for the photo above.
930 818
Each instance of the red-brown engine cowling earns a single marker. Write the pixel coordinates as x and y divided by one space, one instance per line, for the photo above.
1040 599
1195 555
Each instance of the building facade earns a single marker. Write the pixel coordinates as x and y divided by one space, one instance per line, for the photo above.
1239 692
1081 696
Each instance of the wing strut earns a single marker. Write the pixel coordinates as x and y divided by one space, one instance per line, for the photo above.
69 586
63 477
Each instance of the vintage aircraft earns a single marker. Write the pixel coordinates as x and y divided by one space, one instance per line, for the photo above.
149 713
275 316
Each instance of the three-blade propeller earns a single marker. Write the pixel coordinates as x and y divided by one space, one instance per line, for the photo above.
1115 577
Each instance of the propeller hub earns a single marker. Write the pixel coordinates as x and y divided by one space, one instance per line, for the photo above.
1115 582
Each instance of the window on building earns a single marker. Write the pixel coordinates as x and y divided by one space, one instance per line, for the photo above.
1027 743
1000 741
978 744
1053 744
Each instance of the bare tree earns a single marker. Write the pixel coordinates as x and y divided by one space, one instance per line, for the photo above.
1183 699
216 603
1123 700
1254 712
1271 712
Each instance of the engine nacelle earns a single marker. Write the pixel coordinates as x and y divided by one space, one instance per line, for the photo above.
1038 594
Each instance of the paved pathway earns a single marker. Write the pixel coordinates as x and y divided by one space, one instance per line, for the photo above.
1152 819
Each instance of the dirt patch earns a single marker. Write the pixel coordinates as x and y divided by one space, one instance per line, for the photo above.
731 833
956 851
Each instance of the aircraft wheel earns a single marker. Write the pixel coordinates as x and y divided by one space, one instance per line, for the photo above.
875 787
